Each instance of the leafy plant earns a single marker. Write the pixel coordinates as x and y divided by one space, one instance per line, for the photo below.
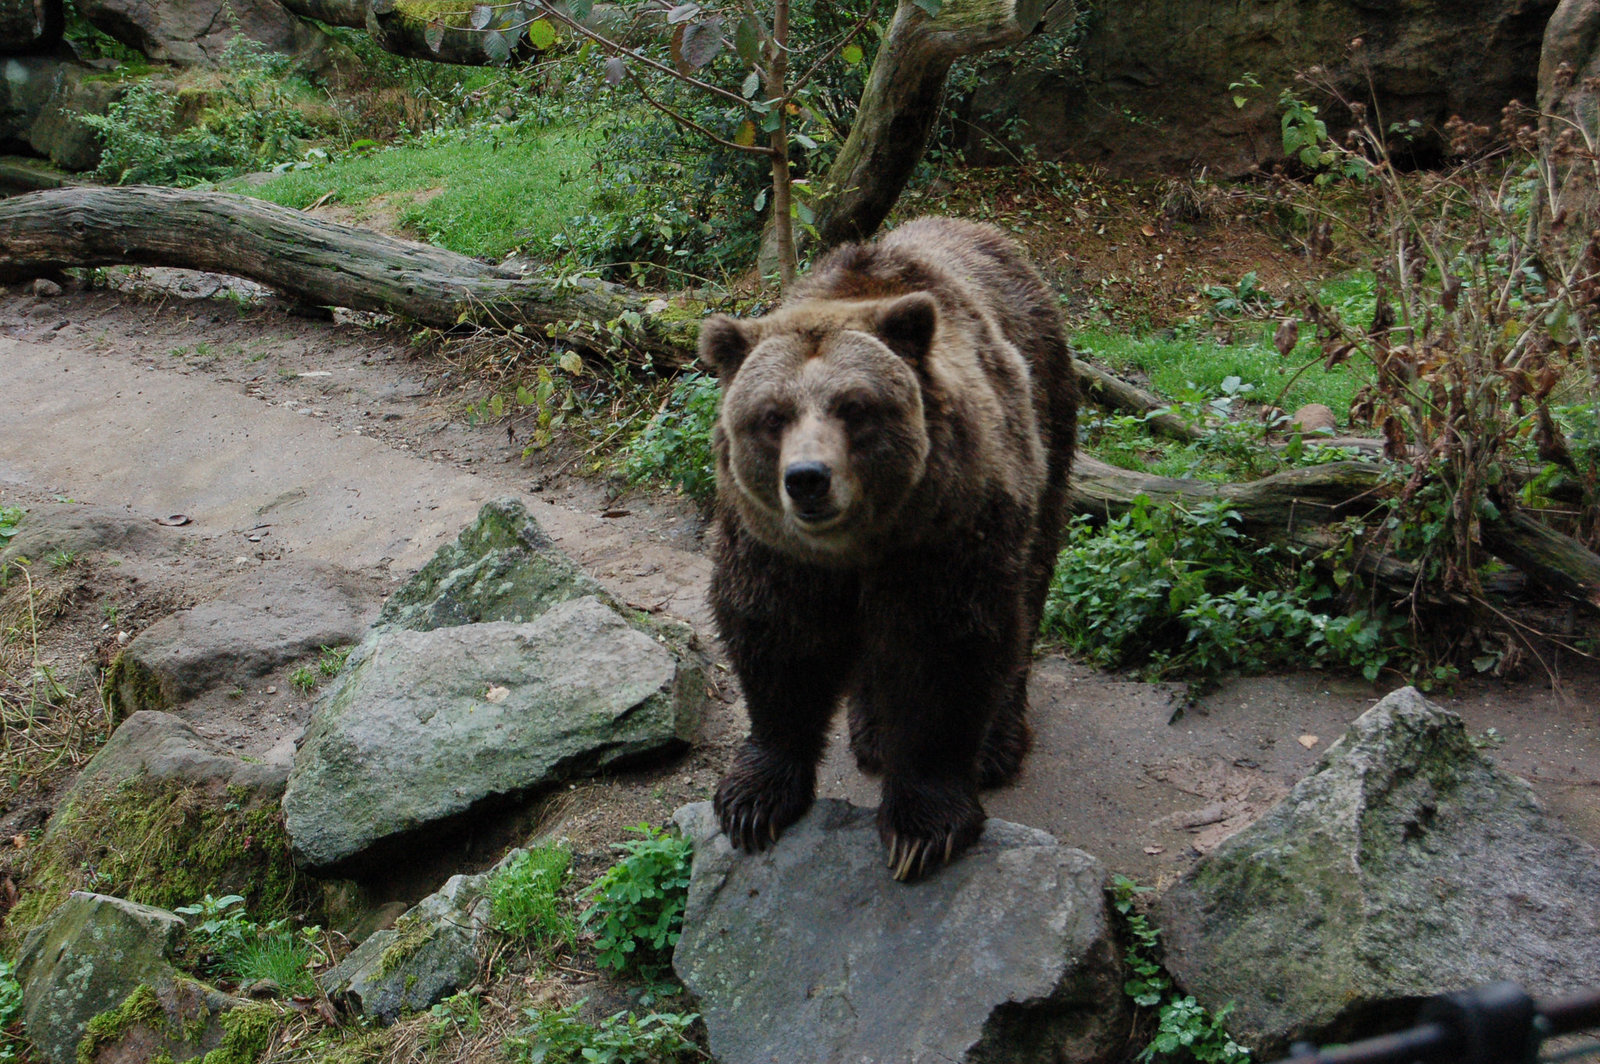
12 1046
223 925
225 941
636 907
525 899
304 679
1173 590
675 447
460 1013
253 123
1185 1029
10 518
560 1037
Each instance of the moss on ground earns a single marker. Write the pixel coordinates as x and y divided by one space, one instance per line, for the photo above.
246 1032
140 1008
166 844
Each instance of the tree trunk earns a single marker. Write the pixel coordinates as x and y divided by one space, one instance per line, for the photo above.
326 264
902 99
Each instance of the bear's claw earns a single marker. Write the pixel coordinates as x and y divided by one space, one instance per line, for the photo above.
760 796
925 825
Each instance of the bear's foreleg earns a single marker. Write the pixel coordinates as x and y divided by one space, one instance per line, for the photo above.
790 633
940 665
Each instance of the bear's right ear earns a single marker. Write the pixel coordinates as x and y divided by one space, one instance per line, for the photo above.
723 345
907 325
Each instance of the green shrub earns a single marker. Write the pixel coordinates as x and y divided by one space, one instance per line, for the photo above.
636 907
1173 590
11 1044
1185 1030
675 447
225 941
560 1037
252 124
525 899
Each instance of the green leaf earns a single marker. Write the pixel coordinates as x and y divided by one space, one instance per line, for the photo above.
747 41
496 47
542 35
481 15
433 36
571 363
616 70
580 9
751 86
852 55
701 42
932 7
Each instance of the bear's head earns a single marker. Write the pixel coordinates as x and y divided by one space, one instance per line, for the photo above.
822 436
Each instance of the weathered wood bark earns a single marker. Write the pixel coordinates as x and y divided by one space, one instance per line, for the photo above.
1114 393
319 262
1558 562
29 27
901 101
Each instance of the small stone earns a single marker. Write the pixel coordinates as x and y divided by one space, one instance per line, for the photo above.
45 288
1314 417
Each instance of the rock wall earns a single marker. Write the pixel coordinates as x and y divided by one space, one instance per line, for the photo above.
1146 88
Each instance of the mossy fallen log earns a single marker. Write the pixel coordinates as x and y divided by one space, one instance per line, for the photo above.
327 264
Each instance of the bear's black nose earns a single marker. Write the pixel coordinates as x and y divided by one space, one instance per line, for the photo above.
807 483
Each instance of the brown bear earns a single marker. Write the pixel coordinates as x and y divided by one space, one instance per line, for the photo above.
892 457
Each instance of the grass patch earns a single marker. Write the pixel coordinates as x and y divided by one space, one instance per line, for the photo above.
1178 368
497 190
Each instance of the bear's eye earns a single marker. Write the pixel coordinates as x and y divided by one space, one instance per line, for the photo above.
769 422
852 411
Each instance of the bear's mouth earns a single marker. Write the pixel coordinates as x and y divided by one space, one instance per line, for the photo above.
813 522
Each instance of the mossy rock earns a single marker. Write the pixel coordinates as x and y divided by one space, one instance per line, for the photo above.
179 1020
164 843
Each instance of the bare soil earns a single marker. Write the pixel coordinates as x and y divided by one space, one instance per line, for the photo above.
280 436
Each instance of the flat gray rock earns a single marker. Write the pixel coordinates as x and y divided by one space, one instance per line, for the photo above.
272 617
159 746
89 955
1405 865
810 952
77 530
421 726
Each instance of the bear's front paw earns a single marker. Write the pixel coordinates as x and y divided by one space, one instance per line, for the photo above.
763 794
926 823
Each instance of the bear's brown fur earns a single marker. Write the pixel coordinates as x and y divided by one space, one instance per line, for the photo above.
892 457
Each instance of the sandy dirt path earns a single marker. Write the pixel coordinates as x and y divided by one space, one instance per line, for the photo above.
92 407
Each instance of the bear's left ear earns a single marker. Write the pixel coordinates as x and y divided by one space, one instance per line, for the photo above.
723 345
907 325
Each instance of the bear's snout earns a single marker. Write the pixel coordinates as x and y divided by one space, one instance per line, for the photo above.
808 484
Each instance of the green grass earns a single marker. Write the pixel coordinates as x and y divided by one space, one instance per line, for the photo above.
1176 368
500 190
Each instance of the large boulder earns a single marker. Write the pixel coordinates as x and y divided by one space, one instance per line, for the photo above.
422 726
1405 865
60 134
197 32
810 951
265 619
1569 63
499 668
163 815
1147 86
91 955
28 26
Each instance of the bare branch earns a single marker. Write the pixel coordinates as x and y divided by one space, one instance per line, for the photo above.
685 120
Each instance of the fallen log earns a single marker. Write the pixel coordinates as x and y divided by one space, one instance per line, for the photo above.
327 264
